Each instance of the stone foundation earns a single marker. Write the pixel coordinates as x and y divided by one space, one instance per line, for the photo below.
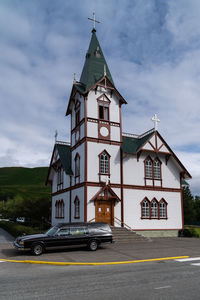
158 233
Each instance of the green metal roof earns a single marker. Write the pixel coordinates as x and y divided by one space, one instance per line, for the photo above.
93 69
132 145
65 157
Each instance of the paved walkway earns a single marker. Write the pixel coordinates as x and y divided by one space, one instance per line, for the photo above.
5 237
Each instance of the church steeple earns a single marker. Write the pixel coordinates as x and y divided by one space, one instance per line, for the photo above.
95 64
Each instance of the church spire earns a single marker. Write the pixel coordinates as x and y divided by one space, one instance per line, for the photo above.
95 64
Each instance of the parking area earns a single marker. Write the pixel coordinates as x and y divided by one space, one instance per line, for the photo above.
138 250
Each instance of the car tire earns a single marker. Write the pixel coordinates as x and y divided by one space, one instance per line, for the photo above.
37 249
93 245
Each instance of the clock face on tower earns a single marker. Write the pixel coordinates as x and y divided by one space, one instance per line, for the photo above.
104 131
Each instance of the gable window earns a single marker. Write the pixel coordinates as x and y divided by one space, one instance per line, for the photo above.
77 112
145 208
104 163
77 117
162 209
77 168
157 169
104 111
59 179
76 208
152 170
154 209
148 168
60 209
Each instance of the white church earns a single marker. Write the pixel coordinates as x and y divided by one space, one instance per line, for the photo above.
105 175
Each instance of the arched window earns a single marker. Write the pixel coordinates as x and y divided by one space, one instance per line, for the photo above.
154 209
162 209
148 168
157 169
145 208
60 209
77 208
59 178
104 163
77 168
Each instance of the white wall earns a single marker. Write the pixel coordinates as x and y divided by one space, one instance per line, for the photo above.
134 170
132 209
82 109
92 106
81 151
94 149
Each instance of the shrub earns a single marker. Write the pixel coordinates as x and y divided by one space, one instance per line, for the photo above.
16 229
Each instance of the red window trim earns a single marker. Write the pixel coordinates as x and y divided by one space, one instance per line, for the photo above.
158 209
104 103
100 173
76 202
77 176
141 203
60 209
152 178
60 178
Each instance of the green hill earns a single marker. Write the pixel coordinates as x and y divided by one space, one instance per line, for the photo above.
28 182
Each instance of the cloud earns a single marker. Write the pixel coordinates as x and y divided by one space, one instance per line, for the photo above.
153 52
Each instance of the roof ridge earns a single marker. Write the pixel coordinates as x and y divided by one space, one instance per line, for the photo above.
138 136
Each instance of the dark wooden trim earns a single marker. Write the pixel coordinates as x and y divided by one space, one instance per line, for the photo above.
111 123
118 185
121 188
90 139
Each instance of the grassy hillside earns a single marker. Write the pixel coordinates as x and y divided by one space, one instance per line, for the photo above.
23 181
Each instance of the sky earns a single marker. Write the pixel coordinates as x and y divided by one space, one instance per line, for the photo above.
152 48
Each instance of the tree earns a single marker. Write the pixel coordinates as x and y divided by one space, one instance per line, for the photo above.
188 206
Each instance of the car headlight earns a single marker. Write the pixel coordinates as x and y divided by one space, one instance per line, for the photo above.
21 243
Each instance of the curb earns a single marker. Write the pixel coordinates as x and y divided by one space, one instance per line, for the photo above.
91 263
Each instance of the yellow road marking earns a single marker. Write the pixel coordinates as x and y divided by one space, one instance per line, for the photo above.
91 263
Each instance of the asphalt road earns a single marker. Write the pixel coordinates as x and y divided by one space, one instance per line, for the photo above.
152 280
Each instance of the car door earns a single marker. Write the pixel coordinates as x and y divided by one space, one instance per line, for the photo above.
78 235
62 237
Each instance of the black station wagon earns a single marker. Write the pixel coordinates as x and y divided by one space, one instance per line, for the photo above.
61 235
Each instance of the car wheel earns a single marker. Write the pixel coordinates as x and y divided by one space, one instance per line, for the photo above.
93 245
37 249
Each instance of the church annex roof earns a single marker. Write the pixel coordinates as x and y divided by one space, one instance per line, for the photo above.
65 157
95 65
132 144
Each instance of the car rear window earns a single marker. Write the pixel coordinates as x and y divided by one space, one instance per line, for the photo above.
100 228
78 230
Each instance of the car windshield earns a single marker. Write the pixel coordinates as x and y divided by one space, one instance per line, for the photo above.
52 231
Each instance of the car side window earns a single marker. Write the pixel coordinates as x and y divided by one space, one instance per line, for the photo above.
63 232
78 230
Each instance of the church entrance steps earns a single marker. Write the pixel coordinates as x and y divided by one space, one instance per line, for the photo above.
123 235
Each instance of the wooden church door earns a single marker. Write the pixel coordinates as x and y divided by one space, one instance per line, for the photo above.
104 211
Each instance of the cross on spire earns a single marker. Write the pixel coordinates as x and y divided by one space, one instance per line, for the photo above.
94 20
155 120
